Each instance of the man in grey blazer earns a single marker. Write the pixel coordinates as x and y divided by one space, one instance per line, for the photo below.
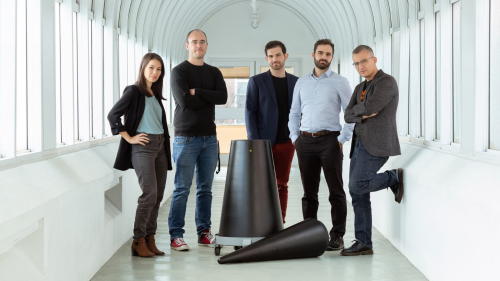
373 108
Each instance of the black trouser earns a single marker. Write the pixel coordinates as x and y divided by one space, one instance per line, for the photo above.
313 154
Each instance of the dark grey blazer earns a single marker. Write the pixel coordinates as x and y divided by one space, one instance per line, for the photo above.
379 133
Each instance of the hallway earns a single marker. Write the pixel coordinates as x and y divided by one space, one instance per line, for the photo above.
200 263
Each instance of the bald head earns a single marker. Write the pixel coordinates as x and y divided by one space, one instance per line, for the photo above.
197 32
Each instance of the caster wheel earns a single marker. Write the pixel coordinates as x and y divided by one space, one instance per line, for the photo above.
217 250
236 248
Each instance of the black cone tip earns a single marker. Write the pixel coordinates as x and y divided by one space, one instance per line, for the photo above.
306 239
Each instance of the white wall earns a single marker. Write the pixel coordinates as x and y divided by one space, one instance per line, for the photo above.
231 35
55 221
447 223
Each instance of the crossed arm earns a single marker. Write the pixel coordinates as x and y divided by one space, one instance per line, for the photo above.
197 98
217 96
384 91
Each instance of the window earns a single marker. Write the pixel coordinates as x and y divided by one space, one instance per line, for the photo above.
494 97
437 104
59 139
422 78
91 81
409 111
456 68
22 79
236 79
76 127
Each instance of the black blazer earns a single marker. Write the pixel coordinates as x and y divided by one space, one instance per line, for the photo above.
379 133
132 105
261 107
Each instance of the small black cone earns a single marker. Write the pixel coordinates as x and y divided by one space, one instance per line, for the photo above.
306 239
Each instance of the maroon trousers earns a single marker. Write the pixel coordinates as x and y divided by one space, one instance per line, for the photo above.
283 156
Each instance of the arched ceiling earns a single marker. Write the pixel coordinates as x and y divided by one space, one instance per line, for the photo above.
161 25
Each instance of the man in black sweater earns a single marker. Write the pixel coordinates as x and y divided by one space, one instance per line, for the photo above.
197 87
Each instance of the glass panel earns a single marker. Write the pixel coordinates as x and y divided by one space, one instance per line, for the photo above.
409 131
456 72
75 75
494 142
437 133
91 82
21 83
422 78
236 93
290 69
236 79
58 73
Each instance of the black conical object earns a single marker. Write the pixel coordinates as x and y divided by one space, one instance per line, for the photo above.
251 207
306 239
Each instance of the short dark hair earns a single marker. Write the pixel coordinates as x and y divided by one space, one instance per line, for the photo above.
187 37
273 44
324 42
360 48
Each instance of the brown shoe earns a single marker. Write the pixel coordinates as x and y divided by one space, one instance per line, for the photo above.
150 242
140 249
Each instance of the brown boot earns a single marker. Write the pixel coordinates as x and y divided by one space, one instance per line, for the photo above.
150 242
140 249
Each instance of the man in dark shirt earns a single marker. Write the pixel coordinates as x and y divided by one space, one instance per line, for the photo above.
197 87
269 98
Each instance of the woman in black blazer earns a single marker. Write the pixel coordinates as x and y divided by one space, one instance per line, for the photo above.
144 147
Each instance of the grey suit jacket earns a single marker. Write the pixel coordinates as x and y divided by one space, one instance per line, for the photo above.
379 133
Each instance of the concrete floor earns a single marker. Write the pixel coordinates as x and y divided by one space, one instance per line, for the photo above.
200 263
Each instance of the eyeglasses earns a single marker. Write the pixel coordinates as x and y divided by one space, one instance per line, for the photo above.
362 63
195 42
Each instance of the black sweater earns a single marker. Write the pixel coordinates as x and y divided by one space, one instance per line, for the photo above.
195 115
132 105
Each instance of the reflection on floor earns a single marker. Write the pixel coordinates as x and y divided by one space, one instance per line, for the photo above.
200 263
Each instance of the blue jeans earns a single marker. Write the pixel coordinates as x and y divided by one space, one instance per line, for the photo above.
198 152
363 179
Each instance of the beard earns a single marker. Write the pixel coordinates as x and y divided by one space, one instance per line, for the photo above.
320 65
277 67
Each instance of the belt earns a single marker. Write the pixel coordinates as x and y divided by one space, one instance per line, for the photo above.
317 134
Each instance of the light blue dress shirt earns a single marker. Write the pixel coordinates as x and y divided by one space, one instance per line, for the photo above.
151 119
316 105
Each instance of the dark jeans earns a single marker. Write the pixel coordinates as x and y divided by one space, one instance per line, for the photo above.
150 164
363 179
283 156
313 154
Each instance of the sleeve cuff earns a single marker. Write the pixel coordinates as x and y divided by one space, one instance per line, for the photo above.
116 131
342 139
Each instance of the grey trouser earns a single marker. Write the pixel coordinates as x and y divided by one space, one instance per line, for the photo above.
150 164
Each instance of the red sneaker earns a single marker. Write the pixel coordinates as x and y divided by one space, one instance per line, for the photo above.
206 238
178 244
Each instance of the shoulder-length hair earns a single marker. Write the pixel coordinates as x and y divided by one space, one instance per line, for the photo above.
157 86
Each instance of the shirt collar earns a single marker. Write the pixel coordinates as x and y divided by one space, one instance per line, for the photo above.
328 73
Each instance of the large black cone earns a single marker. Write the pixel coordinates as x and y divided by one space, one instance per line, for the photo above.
251 206
306 239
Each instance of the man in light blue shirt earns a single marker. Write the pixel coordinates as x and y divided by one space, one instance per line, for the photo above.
318 136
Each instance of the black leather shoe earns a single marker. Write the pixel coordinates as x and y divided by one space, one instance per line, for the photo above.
398 188
357 249
335 244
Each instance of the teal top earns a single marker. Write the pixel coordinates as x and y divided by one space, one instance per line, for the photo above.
151 119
